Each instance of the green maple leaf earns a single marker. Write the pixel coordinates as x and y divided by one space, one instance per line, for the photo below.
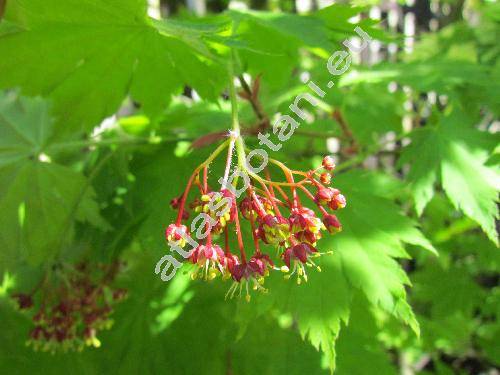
360 340
373 237
319 307
269 42
456 154
88 55
38 200
381 116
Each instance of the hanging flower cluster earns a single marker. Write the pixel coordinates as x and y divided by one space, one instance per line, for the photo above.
276 215
73 309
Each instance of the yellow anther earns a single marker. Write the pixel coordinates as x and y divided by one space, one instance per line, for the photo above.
96 342
205 198
247 297
284 269
212 273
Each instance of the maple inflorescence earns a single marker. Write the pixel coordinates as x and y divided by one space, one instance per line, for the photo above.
276 216
72 308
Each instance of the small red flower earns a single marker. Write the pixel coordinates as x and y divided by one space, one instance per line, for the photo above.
251 209
308 236
296 257
300 251
212 204
173 233
274 230
232 261
251 272
24 301
260 263
37 333
210 260
305 219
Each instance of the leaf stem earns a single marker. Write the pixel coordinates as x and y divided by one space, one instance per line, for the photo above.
235 124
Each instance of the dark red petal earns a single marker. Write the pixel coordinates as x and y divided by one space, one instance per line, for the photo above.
286 256
300 252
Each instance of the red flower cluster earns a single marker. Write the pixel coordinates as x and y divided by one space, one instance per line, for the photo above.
71 314
277 218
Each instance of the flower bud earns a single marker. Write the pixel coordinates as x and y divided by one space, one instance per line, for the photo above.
175 202
325 178
332 224
324 196
338 201
328 163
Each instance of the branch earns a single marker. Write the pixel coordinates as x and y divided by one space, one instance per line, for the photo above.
337 116
3 3
252 96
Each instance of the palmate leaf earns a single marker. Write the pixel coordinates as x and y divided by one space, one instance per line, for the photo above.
471 83
269 41
319 307
448 320
88 55
382 115
323 29
359 350
455 154
38 200
374 233
455 322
